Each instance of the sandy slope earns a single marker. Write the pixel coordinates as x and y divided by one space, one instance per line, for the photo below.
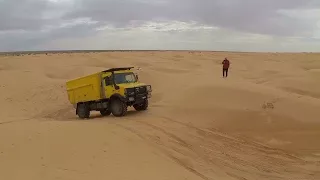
262 122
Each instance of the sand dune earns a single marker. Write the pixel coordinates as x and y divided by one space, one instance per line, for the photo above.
262 122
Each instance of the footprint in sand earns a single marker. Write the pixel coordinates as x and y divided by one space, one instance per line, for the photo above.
267 105
270 104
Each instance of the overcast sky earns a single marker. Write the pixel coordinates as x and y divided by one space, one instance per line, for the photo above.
241 25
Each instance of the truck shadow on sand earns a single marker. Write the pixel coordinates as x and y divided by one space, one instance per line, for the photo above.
67 114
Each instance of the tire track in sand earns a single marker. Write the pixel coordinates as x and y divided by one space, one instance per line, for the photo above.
217 154
165 151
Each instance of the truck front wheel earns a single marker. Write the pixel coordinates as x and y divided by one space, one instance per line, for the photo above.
118 108
142 106
83 111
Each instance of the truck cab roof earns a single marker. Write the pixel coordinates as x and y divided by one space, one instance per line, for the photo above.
118 69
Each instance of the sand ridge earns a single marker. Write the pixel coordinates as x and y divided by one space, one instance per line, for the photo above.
262 122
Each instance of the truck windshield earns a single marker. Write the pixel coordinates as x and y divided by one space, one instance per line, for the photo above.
123 78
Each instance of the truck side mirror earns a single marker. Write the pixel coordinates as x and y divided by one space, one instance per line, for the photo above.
137 77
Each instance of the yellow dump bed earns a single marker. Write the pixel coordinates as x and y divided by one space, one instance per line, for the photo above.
83 89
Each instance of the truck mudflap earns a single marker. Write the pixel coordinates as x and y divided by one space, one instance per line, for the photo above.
75 106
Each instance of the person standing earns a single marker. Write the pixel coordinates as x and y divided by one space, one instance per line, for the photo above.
225 68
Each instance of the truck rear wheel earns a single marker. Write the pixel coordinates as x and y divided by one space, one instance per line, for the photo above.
83 111
105 112
141 107
118 108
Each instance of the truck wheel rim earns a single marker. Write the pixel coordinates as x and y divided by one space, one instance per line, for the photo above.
116 107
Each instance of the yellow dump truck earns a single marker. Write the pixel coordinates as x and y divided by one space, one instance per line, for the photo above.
109 91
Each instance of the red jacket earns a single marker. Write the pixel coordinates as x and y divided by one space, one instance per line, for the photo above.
226 64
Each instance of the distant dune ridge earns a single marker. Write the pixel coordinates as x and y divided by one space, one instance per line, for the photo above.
262 122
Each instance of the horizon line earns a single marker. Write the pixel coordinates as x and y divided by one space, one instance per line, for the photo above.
128 50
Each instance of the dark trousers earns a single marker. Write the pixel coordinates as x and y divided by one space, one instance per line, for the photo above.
225 72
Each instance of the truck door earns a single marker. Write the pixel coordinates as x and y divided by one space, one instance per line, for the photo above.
109 89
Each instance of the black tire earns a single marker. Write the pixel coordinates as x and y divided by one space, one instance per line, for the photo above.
118 107
83 111
141 107
105 112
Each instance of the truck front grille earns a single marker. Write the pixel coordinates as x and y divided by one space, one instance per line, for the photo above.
130 91
136 91
141 90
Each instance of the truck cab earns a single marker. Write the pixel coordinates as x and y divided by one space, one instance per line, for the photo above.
124 84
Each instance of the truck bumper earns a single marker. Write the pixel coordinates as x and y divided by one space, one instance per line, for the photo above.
138 99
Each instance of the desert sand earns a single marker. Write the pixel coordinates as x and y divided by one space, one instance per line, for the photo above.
262 122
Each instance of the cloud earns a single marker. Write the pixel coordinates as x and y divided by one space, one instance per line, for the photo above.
257 16
16 14
19 40
171 35
176 24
